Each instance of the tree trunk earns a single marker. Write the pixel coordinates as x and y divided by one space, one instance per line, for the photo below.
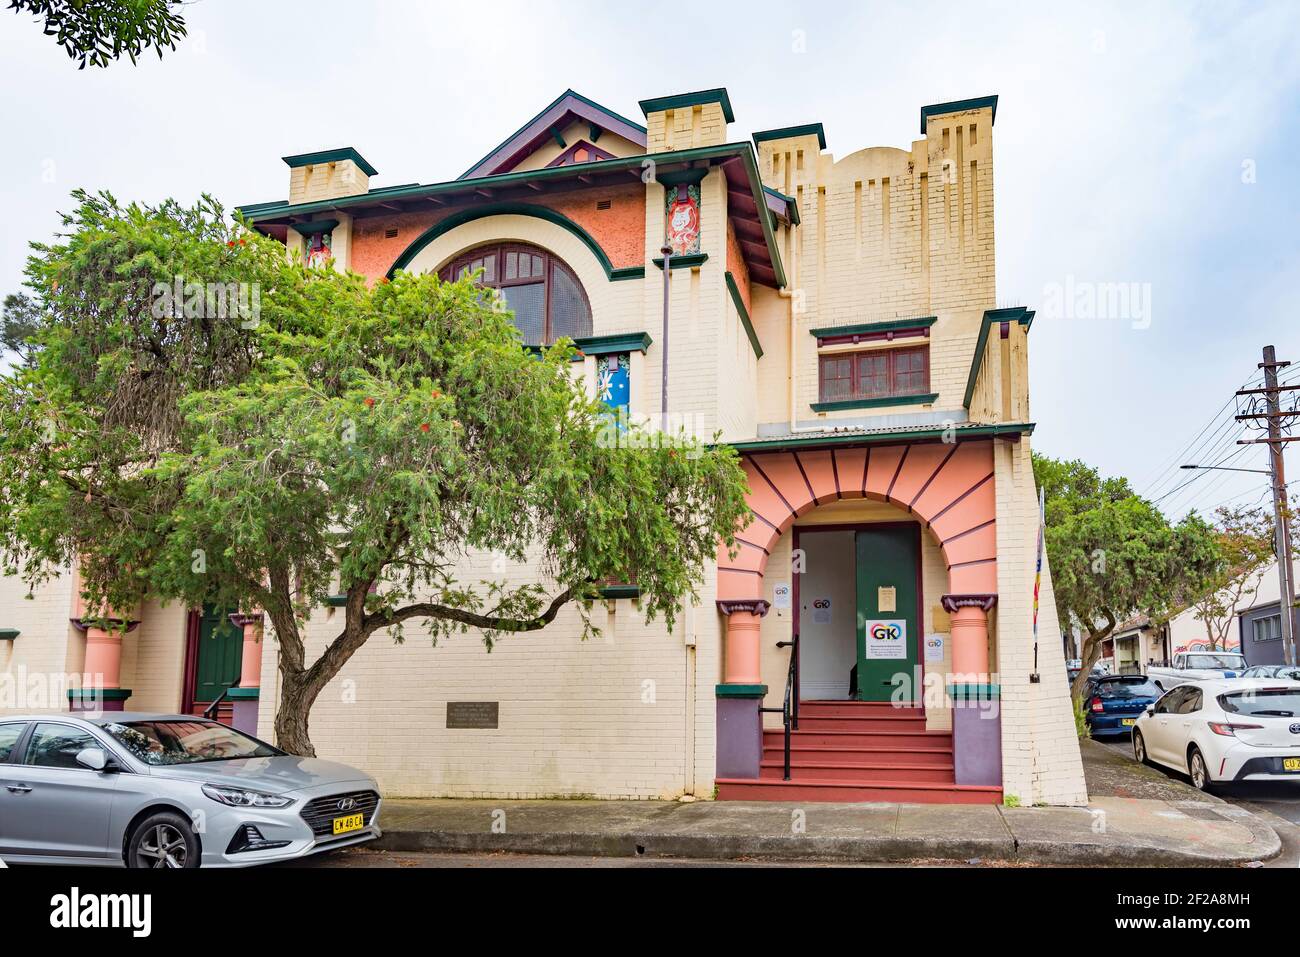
1089 655
293 715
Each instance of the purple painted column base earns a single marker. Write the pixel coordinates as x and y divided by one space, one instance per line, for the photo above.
97 700
740 734
977 736
243 709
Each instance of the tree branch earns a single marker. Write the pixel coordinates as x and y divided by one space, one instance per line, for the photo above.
387 619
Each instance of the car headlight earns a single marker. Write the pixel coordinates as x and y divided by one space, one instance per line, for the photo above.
241 797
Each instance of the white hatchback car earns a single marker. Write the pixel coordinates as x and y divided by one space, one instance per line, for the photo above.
1224 730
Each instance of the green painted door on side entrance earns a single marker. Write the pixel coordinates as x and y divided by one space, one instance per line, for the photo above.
889 625
220 655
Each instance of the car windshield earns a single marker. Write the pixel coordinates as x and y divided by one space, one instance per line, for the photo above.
1274 702
1127 688
1216 662
180 741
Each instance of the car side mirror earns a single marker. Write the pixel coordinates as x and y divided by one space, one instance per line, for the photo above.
1151 711
96 759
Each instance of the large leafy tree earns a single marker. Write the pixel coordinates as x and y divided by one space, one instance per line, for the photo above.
99 32
347 440
1114 554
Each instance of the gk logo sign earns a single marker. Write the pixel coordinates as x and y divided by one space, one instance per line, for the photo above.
886 640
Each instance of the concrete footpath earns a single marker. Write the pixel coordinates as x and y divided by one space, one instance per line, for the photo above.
1137 818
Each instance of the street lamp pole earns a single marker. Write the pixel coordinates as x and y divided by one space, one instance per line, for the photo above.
667 252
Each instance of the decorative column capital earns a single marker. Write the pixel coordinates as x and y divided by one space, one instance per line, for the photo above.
751 606
115 624
242 620
952 603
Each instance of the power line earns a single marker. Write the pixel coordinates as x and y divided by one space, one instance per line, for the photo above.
1169 469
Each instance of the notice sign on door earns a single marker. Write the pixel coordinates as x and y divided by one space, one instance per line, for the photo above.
886 640
886 599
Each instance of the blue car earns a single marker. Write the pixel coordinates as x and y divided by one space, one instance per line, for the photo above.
1113 703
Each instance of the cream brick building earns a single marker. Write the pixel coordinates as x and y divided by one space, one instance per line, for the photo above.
836 320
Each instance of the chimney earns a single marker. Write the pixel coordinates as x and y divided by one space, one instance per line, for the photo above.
327 174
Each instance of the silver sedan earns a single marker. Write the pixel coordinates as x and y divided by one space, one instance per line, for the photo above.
149 790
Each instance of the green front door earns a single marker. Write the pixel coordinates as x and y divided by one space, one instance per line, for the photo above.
220 655
889 623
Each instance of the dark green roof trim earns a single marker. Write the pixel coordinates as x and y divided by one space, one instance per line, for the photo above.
685 177
9 634
744 315
330 156
243 694
740 691
881 403
555 134
506 209
98 694
788 132
868 328
693 261
726 151
620 342
791 205
319 226
626 273
959 106
883 438
337 601
615 592
993 316
679 100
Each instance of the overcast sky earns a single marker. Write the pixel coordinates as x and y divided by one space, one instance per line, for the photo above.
1152 144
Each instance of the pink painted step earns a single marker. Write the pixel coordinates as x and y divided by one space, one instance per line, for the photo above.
855 709
888 792
858 739
853 757
804 768
881 722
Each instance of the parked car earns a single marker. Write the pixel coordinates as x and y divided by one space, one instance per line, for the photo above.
149 790
1289 672
1114 702
1193 667
1098 671
1247 729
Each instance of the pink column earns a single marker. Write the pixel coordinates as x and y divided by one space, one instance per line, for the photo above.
743 659
250 671
244 699
970 642
103 667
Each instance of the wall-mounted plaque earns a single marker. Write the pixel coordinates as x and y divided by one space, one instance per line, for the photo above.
473 714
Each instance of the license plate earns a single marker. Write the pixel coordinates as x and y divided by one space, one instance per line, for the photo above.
346 825
1291 764
1129 722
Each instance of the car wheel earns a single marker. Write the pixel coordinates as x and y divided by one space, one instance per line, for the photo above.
1200 774
1140 748
165 840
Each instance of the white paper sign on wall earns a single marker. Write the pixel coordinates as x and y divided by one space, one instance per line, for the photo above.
822 613
934 648
886 640
781 595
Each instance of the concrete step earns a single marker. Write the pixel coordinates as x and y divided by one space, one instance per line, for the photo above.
888 792
804 768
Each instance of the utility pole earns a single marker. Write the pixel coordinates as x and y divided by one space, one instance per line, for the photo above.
1273 418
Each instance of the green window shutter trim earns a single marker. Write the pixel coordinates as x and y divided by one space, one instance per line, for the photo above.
744 315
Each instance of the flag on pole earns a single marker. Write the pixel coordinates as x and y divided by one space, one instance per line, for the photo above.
1038 575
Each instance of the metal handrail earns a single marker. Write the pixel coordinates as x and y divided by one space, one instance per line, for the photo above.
211 711
789 706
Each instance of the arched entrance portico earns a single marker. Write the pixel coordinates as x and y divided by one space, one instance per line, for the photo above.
947 487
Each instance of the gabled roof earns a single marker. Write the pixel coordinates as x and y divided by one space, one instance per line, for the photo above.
752 209
548 125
